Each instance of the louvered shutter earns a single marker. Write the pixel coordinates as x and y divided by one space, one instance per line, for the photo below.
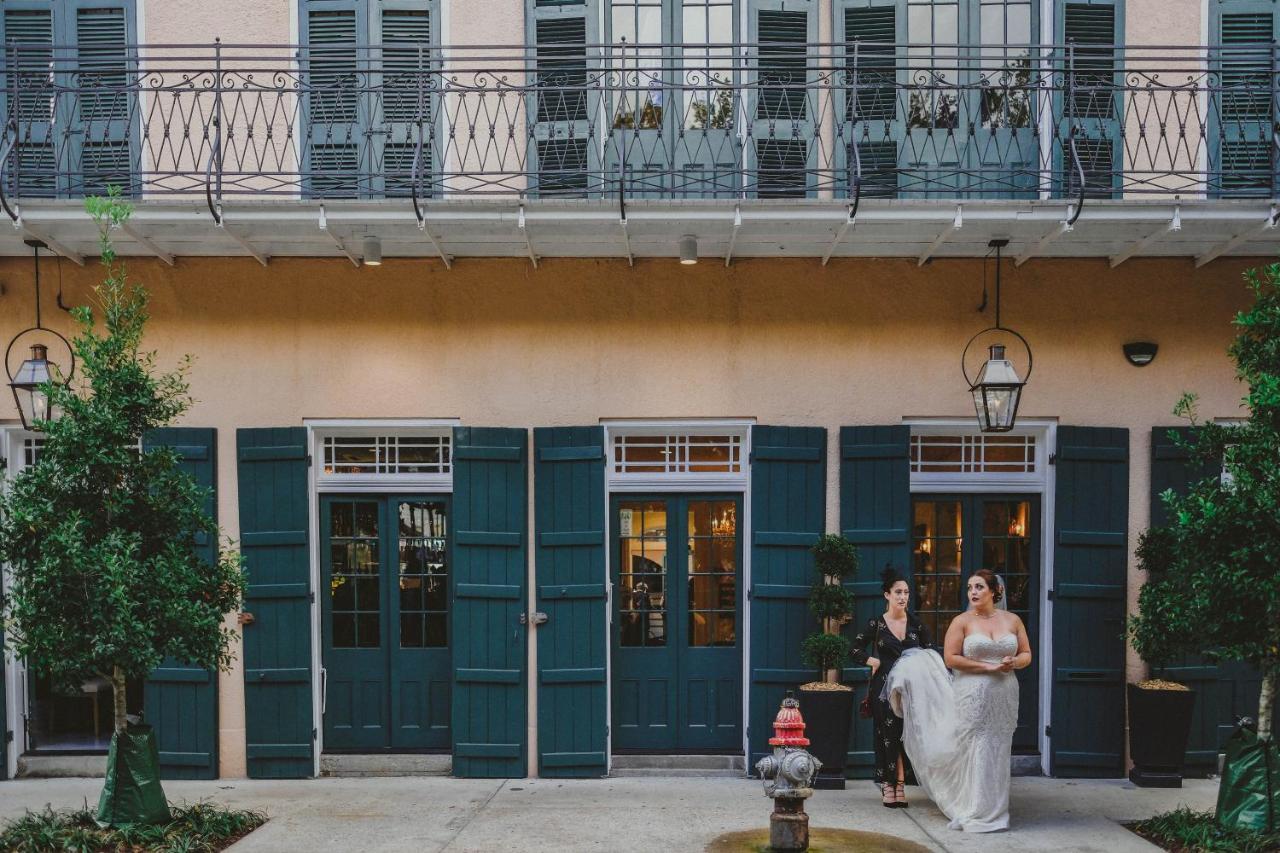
1244 115
101 150
788 514
564 138
873 129
1092 105
335 154
407 107
181 700
784 112
28 37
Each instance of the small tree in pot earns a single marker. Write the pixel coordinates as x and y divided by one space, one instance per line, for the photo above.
826 703
100 536
1213 581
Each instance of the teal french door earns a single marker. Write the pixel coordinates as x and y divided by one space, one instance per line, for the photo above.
385 564
677 635
952 536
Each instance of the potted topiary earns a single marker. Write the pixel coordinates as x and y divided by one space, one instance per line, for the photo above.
827 704
1159 710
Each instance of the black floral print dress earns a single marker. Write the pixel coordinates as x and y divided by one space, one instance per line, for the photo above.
875 640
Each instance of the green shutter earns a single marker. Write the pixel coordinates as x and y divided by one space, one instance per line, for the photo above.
272 465
407 108
6 736
336 115
1091 29
569 522
490 511
873 121
783 116
181 701
102 145
788 514
1090 573
565 102
875 515
1241 120
32 170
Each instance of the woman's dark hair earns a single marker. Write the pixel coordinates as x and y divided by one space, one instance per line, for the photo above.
889 577
992 582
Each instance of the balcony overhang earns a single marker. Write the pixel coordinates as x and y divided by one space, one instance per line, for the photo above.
1118 230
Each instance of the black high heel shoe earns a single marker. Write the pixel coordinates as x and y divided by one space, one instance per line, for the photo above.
900 796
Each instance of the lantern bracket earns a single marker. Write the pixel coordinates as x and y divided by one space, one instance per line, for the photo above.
998 244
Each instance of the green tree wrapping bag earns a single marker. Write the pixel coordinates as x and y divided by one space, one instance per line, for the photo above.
1249 793
132 793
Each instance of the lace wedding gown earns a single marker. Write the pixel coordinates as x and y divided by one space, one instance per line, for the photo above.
958 732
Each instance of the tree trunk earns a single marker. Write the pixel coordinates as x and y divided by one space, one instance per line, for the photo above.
118 691
1267 702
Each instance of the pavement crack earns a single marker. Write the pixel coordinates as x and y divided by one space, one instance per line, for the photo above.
474 814
937 842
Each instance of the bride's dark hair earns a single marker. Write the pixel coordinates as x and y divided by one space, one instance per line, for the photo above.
889 577
992 582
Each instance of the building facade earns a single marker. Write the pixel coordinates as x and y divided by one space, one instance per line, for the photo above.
497 305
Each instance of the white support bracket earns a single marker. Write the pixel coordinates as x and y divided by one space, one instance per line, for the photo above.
1175 224
1064 227
850 221
626 241
445 257
256 253
1221 249
528 244
147 243
342 247
36 234
733 235
956 225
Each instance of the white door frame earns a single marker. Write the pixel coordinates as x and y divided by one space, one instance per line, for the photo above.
318 483
622 484
1041 483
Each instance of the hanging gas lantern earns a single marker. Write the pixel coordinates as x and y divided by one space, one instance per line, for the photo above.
30 383
997 391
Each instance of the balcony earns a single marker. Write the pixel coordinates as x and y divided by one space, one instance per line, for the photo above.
733 134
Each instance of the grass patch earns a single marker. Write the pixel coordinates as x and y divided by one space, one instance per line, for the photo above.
201 828
1187 831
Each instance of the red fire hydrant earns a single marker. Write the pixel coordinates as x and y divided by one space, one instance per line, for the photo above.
788 777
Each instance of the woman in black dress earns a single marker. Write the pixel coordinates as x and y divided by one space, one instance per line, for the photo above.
879 645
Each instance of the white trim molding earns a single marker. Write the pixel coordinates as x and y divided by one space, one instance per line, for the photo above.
736 430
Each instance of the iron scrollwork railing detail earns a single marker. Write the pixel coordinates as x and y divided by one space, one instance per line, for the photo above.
841 121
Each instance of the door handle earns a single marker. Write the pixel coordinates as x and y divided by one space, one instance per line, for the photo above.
324 690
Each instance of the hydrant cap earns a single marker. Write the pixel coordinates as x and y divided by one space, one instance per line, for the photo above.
788 726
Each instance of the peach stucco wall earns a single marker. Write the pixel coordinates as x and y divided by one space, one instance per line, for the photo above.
782 341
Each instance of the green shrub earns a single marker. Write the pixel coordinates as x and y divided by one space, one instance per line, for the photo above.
199 828
1197 832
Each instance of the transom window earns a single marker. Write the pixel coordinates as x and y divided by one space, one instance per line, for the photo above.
387 454
677 454
973 454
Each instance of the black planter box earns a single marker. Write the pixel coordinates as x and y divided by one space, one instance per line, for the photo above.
1159 725
828 717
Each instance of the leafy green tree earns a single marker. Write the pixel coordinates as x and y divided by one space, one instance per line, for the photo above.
99 536
1213 572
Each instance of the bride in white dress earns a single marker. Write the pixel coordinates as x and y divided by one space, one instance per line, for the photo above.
958 732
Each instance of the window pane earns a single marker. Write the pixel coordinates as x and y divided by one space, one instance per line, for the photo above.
368 631
411 630
437 633
366 519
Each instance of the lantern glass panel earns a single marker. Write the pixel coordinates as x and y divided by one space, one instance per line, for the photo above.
996 406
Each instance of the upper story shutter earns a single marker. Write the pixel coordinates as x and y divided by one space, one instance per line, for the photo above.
783 113
333 159
407 33
1246 32
564 105
100 150
1091 29
28 38
874 128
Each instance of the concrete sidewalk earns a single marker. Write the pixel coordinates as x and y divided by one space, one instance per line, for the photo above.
649 814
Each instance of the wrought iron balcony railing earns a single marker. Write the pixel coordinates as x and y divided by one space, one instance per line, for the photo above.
767 120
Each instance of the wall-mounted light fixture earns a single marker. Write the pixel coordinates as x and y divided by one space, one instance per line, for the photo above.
1140 353
688 250
372 252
